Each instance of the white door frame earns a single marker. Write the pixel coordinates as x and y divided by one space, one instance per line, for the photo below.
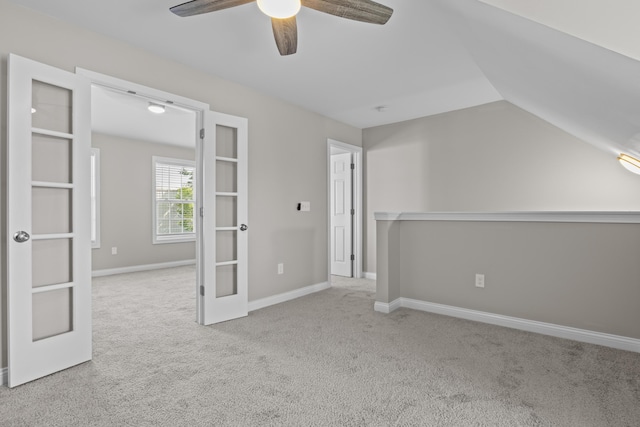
357 198
200 108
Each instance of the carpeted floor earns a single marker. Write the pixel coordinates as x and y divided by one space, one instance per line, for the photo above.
322 360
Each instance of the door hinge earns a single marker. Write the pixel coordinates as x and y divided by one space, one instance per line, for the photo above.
202 212
353 165
202 133
201 290
353 211
353 257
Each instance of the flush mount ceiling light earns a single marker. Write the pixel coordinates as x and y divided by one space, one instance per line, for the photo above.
280 9
629 163
283 14
156 108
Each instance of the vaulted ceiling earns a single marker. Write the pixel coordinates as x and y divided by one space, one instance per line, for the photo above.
432 56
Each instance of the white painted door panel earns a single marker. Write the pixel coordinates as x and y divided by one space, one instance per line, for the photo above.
48 200
224 255
341 217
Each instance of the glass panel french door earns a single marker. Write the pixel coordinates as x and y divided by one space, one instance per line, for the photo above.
224 283
48 194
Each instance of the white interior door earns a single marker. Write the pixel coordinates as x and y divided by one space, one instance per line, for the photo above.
224 256
48 220
341 215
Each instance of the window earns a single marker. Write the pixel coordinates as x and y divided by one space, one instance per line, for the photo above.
173 200
95 198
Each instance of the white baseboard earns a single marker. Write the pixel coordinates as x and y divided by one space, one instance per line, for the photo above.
287 296
4 376
145 267
371 276
582 335
387 308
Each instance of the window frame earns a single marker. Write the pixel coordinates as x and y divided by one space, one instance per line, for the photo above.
171 238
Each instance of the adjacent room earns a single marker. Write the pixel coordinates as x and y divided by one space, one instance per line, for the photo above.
346 213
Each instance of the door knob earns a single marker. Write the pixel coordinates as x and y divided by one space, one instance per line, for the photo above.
243 227
21 236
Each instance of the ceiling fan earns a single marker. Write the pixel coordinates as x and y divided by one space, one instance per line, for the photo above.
283 14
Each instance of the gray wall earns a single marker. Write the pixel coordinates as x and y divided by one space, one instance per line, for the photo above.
579 275
125 204
495 157
287 145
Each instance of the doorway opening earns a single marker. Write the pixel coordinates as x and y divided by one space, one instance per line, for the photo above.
344 194
146 158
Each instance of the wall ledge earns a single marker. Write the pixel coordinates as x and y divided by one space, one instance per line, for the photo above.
566 332
618 217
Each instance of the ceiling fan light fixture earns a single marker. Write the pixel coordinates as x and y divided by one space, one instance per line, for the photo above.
280 9
629 163
155 108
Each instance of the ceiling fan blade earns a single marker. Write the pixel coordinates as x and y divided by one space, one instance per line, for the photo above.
197 7
285 32
357 10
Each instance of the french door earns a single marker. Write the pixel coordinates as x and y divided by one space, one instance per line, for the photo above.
48 220
223 293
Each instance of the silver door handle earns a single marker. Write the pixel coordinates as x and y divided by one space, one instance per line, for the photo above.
243 227
21 236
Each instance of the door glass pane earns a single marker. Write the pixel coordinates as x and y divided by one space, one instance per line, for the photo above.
51 159
51 210
226 142
226 281
226 211
51 262
226 246
52 313
226 177
51 107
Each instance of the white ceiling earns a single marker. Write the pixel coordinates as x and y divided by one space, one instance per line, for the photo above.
414 64
127 116
432 56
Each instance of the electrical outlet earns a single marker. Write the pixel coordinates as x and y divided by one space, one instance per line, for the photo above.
114 250
305 206
281 268
479 280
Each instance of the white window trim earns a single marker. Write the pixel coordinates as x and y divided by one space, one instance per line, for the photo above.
177 238
95 206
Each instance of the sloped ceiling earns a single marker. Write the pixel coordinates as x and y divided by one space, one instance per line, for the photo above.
585 89
433 56
612 24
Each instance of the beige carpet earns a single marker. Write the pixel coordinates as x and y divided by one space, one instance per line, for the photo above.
324 359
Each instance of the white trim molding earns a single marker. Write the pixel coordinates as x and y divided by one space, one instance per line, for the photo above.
4 376
370 276
387 308
621 217
145 267
582 335
287 296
